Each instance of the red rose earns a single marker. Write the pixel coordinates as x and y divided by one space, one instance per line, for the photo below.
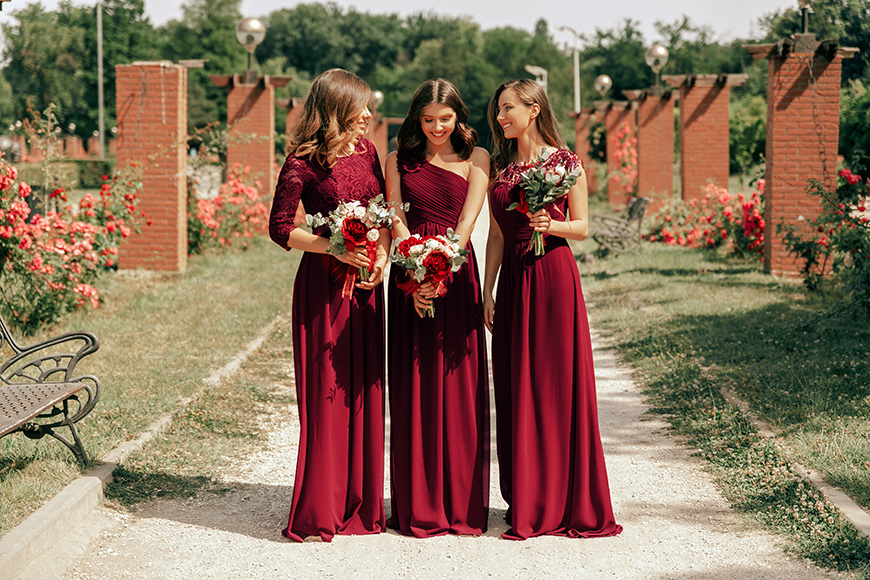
523 207
437 266
354 232
405 246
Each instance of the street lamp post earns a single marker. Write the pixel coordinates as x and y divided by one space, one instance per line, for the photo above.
101 113
656 58
602 84
250 32
805 14
576 66
540 75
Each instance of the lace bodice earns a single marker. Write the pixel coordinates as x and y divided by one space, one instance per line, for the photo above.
355 177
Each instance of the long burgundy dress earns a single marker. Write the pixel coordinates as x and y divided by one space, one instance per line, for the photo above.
552 468
338 356
439 400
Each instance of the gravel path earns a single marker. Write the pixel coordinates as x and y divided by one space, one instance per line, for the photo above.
676 523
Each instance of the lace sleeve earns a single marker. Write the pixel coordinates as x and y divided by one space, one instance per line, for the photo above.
288 192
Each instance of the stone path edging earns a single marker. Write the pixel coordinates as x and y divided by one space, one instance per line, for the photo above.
46 526
850 510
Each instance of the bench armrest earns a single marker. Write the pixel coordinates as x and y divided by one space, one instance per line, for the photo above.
28 365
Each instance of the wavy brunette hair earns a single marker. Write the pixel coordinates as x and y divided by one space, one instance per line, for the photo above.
411 138
529 93
327 125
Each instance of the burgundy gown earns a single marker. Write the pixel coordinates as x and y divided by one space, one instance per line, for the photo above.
339 360
550 458
439 399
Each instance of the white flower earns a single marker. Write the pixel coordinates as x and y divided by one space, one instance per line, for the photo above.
359 212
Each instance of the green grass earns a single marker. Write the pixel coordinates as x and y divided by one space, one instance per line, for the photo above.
690 323
223 423
160 336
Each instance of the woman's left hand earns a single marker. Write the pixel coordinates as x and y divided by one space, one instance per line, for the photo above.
540 220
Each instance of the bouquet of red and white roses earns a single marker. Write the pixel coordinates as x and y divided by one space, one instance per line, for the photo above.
428 259
541 186
352 225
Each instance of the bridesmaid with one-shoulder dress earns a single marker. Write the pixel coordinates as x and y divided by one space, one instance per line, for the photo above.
338 341
438 386
552 470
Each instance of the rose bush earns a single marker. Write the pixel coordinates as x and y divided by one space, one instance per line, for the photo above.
235 214
50 263
717 219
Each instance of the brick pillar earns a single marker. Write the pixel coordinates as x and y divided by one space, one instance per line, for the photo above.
251 134
704 129
803 113
378 134
615 114
22 144
294 111
73 148
151 104
93 146
582 124
655 145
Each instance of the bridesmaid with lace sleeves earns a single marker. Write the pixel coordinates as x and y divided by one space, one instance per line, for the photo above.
439 397
338 342
551 462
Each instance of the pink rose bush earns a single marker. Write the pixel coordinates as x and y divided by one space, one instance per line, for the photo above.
50 264
236 214
717 219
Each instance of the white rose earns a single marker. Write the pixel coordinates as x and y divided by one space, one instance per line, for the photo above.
373 235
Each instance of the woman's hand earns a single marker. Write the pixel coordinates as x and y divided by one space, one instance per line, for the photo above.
488 311
428 291
421 302
357 257
540 220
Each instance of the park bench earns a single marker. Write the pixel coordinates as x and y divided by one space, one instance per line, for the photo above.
38 390
621 234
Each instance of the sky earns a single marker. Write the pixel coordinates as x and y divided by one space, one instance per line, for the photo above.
728 19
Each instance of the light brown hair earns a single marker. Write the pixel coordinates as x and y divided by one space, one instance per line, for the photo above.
327 125
529 93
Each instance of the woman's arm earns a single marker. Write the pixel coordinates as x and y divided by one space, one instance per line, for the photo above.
494 249
394 195
478 180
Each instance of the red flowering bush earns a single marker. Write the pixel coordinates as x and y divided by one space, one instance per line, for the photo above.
717 219
625 155
50 263
837 240
236 213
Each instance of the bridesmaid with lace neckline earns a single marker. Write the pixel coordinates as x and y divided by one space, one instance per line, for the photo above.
551 463
439 400
338 341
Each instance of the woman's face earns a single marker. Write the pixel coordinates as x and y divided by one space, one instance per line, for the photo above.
362 123
437 121
513 115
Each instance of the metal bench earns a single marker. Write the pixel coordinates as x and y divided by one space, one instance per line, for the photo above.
621 234
38 392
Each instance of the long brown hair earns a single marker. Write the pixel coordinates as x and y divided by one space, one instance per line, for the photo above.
411 138
327 124
529 93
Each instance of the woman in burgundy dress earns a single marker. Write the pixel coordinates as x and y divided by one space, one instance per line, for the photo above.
439 400
338 341
552 468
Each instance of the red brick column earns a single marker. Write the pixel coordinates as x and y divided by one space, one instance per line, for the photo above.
93 146
73 148
294 111
616 113
704 129
582 123
151 102
803 113
251 134
655 145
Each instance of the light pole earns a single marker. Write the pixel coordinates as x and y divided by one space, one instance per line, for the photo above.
805 14
101 111
540 75
576 66
250 32
656 58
